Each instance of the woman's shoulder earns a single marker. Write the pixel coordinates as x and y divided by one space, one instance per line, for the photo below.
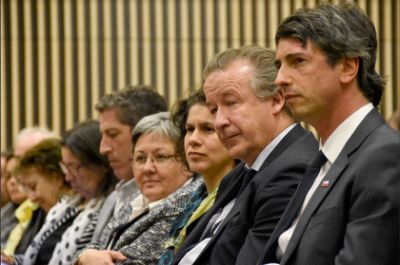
177 201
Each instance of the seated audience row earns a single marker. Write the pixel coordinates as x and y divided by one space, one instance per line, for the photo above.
230 177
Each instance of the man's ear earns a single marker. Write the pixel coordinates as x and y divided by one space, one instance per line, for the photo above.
349 69
278 102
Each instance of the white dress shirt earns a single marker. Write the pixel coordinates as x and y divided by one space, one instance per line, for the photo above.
195 252
331 149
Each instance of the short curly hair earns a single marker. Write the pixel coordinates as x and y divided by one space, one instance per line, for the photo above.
179 115
44 157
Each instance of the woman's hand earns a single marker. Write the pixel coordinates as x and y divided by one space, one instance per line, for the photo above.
100 257
7 259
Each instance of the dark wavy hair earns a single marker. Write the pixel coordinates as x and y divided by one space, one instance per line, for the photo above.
340 31
179 115
84 142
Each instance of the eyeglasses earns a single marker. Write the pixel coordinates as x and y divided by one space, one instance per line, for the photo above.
71 168
157 159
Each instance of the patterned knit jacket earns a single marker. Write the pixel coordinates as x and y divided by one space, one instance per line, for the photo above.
142 239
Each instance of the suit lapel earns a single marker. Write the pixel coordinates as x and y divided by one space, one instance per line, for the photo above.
320 193
367 126
228 197
288 140
226 191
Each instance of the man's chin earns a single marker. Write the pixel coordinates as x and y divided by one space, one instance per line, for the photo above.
235 152
122 174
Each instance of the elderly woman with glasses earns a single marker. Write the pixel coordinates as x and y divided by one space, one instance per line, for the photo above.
165 185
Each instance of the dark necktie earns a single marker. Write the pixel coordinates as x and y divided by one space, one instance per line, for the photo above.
248 176
297 200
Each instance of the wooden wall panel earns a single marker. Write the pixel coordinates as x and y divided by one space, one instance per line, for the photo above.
59 57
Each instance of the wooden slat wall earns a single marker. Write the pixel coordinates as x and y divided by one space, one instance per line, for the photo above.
59 57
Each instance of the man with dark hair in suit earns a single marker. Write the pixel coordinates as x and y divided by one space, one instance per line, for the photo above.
349 213
252 122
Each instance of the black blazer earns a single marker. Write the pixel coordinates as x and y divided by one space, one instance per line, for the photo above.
243 234
354 219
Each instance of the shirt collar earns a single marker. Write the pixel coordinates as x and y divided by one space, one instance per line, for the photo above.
336 141
269 148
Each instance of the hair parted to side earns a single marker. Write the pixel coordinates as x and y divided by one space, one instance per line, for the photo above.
340 31
263 62
133 103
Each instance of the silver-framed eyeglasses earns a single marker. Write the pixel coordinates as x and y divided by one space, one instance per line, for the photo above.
157 159
72 168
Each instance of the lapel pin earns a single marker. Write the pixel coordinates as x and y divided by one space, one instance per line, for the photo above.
325 183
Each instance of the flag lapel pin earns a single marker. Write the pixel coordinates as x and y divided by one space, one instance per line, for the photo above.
325 184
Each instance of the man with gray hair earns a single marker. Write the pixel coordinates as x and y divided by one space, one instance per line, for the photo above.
348 213
118 114
253 124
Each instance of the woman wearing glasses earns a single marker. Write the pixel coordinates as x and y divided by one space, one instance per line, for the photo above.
165 185
70 223
42 180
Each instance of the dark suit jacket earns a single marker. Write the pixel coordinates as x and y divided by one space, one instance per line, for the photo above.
355 220
245 231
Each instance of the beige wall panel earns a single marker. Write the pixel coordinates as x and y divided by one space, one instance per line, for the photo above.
285 10
310 3
159 46
172 53
261 22
146 42
198 68
107 46
235 23
42 59
223 26
94 51
248 22
55 62
272 22
28 51
121 44
134 74
184 24
388 56
68 42
3 72
82 77
375 18
179 73
397 58
362 4
15 69
209 41
298 4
